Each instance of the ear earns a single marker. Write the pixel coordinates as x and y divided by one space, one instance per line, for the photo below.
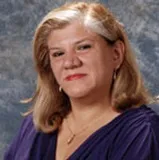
118 54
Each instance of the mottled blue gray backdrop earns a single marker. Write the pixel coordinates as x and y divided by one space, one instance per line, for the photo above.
18 19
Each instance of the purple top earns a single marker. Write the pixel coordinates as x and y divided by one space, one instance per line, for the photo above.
133 135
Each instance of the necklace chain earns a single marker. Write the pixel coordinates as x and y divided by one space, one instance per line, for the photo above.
74 135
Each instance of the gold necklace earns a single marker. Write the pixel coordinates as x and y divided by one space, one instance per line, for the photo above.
74 135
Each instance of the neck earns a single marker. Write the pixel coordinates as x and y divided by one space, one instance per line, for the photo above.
84 110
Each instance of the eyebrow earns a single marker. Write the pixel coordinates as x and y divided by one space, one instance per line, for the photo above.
77 42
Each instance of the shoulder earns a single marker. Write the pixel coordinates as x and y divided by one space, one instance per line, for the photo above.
142 121
26 128
138 137
147 118
144 116
27 125
23 139
152 121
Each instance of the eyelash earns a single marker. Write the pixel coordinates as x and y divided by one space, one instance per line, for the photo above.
84 47
81 47
57 54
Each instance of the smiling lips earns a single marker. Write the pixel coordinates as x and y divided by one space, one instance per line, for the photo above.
74 77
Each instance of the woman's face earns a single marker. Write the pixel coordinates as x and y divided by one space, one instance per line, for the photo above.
81 60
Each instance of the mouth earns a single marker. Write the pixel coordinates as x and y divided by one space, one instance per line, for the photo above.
75 77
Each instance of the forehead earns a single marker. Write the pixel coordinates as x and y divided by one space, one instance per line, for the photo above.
71 32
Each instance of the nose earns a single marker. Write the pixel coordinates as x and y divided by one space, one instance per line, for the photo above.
72 61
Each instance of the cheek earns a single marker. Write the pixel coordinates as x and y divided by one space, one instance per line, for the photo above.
103 67
55 69
102 62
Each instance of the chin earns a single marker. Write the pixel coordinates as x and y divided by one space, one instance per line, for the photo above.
78 93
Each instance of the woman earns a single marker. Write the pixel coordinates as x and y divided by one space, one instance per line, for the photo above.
89 102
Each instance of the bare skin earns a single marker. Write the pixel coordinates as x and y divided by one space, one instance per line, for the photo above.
63 150
77 51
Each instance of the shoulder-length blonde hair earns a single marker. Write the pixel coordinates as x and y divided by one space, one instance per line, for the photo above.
50 105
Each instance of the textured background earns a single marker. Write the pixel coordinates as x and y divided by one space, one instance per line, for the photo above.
18 20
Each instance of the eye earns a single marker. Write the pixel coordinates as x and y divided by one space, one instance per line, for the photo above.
57 54
84 47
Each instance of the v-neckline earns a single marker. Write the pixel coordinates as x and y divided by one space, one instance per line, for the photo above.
105 127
